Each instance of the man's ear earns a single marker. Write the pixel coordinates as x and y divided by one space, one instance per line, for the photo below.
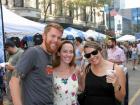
43 35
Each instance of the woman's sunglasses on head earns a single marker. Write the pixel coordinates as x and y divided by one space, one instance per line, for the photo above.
88 55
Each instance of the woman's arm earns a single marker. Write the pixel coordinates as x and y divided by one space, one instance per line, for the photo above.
120 84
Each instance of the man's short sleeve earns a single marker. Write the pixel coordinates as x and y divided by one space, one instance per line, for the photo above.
122 56
26 62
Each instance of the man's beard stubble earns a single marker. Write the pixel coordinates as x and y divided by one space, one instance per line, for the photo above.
48 48
110 46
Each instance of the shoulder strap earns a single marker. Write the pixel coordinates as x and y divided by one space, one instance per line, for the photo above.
113 66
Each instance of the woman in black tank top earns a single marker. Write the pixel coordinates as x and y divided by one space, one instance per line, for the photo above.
100 87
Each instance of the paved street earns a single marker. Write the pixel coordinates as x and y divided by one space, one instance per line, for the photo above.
134 85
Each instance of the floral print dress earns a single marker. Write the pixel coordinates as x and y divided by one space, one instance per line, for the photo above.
65 90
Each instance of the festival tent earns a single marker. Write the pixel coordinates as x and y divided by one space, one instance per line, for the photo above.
14 23
127 38
68 35
94 34
74 32
65 33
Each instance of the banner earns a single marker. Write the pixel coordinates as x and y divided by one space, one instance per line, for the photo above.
2 59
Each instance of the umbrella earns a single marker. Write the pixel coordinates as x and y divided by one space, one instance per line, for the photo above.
76 32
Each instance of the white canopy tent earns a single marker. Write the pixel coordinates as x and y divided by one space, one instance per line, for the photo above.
127 38
14 23
94 34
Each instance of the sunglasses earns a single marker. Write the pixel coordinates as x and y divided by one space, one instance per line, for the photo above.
88 55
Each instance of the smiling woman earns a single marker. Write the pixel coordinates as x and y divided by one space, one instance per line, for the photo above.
65 75
100 87
64 48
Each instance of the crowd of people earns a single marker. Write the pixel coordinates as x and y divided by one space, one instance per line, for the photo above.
56 72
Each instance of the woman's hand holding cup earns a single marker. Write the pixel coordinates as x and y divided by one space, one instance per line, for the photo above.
111 77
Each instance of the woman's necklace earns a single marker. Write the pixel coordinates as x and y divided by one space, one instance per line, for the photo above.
64 80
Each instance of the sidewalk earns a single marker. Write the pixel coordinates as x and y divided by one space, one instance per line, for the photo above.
134 85
137 102
136 99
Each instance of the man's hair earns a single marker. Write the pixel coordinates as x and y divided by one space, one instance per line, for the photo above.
9 43
79 39
112 39
53 25
37 39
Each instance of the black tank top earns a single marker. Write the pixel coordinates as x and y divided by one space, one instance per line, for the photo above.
98 91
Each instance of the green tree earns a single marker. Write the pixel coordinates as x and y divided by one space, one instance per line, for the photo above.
45 4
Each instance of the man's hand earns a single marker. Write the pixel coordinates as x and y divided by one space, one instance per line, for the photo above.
9 67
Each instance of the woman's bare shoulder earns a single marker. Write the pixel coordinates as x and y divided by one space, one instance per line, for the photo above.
56 69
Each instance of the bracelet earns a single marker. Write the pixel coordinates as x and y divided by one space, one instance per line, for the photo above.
117 88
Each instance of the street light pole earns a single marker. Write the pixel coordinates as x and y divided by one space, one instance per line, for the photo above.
2 27
2 19
109 19
94 16
50 6
137 20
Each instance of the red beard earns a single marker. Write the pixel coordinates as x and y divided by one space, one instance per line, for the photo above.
49 49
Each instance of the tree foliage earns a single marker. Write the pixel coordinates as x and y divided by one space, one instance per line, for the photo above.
63 7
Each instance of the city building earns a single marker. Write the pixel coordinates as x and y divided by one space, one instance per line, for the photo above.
57 10
136 19
26 8
119 19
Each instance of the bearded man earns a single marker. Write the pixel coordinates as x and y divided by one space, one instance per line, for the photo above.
33 71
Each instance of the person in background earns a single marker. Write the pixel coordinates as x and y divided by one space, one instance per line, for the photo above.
16 41
138 46
37 39
13 56
34 70
65 75
134 56
100 86
114 53
129 50
78 51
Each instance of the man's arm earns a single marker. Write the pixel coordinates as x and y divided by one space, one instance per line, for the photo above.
23 66
15 89
114 61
